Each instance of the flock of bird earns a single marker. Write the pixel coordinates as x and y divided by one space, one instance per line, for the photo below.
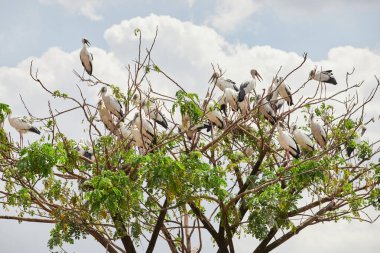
141 130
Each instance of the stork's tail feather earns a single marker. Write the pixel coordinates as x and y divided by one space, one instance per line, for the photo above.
35 130
332 80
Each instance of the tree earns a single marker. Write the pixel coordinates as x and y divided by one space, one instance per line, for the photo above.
219 185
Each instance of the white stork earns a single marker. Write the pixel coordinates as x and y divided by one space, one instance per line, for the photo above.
145 126
284 91
266 110
213 115
84 150
322 77
22 126
111 103
250 85
230 97
192 130
273 97
287 142
222 83
134 135
319 133
86 57
150 110
302 139
325 76
106 117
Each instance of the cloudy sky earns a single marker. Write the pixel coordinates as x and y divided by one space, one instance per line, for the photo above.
238 35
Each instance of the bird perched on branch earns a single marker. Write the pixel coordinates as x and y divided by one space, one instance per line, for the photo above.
106 117
86 57
287 142
150 110
145 126
212 114
302 139
222 83
284 90
22 126
266 110
191 131
134 135
85 150
325 76
319 133
249 86
111 103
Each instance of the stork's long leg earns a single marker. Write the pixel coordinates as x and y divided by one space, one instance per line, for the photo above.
287 159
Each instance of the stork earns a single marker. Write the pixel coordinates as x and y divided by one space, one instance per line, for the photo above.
134 135
250 85
287 142
111 103
319 133
150 110
106 117
222 83
213 115
22 126
302 139
266 110
284 91
230 96
193 130
324 77
145 126
86 57
275 102
84 150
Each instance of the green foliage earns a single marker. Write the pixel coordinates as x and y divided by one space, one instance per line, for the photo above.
4 111
37 160
58 94
188 105
64 232
364 150
183 178
269 209
114 192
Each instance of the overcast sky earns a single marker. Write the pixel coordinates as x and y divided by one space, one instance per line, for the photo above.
238 35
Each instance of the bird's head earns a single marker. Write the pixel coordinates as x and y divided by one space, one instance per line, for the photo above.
312 116
280 125
364 129
294 128
136 116
86 42
256 74
312 74
103 90
214 77
136 98
100 103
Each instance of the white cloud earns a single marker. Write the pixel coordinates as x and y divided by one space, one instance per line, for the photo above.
229 14
87 8
185 51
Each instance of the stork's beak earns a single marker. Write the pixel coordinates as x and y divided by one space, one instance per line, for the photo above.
259 77
213 77
88 43
100 93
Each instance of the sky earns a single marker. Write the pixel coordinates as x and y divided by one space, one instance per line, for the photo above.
237 35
